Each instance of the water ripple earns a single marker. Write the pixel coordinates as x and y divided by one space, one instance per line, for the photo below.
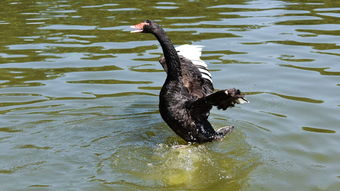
79 90
318 130
322 71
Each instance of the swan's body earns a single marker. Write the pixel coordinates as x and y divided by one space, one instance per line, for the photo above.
187 94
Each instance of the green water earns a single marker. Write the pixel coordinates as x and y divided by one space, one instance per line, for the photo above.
79 105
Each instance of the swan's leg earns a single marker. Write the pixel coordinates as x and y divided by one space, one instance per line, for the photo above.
222 132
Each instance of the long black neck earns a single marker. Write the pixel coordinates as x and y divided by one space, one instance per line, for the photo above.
170 54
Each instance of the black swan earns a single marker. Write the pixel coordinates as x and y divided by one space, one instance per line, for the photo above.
187 94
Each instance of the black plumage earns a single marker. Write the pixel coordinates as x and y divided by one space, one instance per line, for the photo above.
187 97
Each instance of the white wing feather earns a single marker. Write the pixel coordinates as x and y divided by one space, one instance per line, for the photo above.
193 53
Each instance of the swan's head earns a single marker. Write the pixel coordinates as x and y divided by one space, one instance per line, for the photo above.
145 27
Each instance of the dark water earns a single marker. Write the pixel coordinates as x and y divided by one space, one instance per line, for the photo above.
79 105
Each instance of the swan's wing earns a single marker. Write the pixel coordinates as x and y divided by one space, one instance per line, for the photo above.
196 76
192 78
223 99
193 53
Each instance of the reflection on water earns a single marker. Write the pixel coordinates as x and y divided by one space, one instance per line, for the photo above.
317 130
197 167
79 106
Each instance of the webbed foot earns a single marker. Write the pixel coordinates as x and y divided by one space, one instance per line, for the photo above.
222 132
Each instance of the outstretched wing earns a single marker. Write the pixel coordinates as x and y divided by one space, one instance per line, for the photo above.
223 99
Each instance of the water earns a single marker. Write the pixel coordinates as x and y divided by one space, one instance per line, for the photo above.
79 105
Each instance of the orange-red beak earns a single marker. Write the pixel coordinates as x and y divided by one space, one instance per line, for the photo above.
138 27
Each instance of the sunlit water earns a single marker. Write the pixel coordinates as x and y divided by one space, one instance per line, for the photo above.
79 105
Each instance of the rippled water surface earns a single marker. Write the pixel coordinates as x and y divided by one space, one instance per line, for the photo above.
79 95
